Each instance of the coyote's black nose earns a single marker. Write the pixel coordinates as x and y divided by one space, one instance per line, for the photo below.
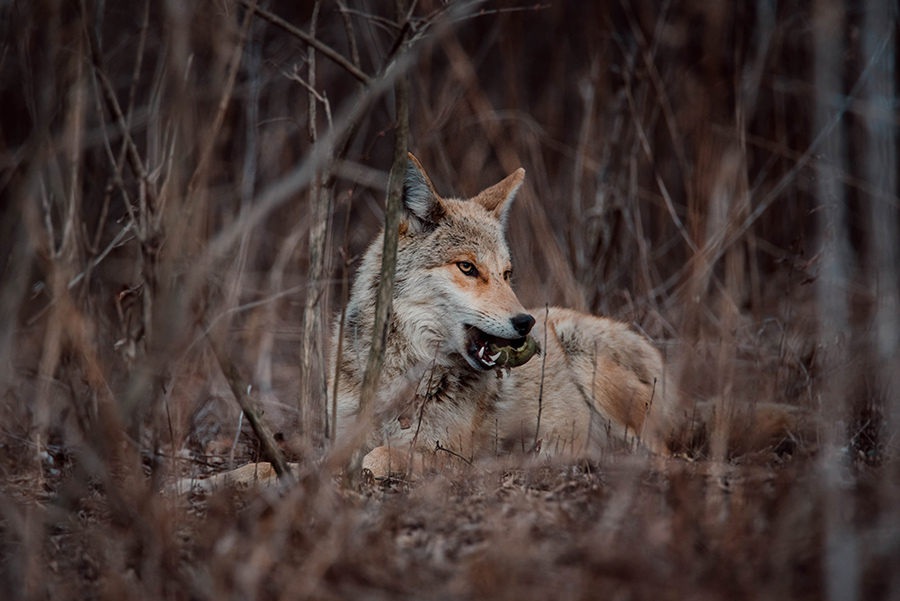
523 323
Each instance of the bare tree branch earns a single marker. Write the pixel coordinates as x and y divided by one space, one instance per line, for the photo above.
308 39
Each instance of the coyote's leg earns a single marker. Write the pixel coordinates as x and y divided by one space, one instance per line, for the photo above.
247 475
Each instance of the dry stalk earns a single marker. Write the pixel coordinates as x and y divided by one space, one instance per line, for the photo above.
425 399
537 429
119 164
212 136
326 50
268 447
372 374
345 296
345 251
311 402
109 94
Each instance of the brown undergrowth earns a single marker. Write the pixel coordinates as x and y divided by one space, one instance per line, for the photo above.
644 528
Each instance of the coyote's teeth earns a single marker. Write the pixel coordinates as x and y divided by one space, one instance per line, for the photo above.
480 352
493 358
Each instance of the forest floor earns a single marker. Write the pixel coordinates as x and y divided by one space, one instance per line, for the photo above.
629 527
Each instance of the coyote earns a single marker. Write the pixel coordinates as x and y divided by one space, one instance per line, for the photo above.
468 370
470 373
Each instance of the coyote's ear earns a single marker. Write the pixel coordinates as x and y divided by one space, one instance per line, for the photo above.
423 205
498 198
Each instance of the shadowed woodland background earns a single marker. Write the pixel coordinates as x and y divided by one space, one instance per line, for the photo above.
721 175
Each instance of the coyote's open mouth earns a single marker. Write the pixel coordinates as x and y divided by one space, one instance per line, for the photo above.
493 351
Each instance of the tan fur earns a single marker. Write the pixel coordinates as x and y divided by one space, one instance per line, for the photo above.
603 383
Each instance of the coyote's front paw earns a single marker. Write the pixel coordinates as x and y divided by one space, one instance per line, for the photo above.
384 462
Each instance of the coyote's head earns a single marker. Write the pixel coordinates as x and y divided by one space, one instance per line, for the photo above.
453 271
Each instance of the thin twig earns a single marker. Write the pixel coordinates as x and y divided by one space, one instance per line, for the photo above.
345 251
345 294
234 443
439 447
537 430
663 99
116 242
424 402
647 412
593 398
663 189
268 447
384 23
206 153
117 164
138 63
320 96
110 95
326 50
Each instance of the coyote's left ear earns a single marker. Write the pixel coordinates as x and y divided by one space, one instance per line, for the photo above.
422 203
498 198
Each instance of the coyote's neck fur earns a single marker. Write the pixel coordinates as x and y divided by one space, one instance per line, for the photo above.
458 335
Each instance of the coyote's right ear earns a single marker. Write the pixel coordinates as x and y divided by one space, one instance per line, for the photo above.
423 205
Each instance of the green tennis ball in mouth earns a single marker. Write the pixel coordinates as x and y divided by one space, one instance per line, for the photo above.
514 356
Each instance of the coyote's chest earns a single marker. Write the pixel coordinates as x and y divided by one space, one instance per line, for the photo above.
450 407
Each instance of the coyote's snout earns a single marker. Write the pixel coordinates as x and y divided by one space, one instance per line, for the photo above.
459 359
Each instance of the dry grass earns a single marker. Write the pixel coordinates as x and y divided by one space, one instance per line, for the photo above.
722 177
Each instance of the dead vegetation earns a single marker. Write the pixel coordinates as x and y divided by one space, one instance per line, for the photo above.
721 176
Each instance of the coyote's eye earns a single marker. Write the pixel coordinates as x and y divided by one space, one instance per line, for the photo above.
467 268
